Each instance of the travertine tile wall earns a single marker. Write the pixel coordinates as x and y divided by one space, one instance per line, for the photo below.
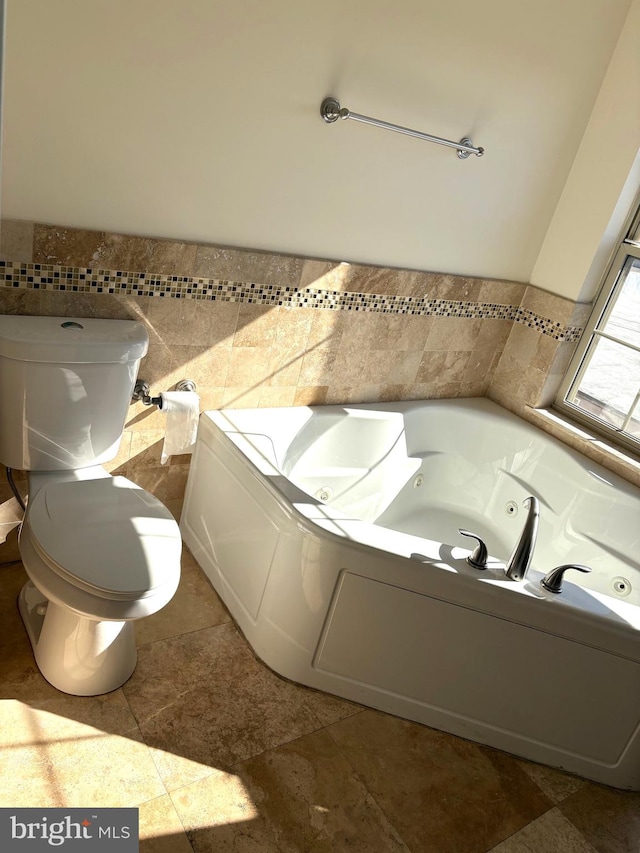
259 329
532 364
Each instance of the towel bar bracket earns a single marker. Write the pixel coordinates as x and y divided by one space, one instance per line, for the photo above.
330 110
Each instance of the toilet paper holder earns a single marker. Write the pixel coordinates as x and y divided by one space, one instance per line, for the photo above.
142 392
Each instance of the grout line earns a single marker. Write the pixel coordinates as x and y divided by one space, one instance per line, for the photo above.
182 633
362 781
177 814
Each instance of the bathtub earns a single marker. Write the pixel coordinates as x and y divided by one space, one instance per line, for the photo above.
331 534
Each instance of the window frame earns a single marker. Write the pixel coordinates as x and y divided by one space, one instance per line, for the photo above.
628 247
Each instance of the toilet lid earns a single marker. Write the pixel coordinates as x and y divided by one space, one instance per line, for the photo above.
107 535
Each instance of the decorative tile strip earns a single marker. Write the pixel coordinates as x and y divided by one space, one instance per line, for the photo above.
48 277
546 326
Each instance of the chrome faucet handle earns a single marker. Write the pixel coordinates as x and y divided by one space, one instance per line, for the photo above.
552 581
478 559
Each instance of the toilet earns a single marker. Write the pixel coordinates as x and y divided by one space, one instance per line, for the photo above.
99 551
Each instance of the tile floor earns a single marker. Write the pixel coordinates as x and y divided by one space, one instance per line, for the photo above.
220 754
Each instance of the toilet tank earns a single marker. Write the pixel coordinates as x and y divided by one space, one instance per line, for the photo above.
65 388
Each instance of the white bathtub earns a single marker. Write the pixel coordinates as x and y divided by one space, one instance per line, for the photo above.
331 533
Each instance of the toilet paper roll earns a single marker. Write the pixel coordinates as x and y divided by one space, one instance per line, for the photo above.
182 409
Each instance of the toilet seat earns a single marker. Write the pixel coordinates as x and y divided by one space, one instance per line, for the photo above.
105 536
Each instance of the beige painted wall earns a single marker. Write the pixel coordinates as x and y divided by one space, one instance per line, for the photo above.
603 181
199 120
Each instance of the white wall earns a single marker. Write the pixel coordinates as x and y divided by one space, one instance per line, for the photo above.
199 119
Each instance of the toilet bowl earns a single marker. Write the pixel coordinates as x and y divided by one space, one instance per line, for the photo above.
99 551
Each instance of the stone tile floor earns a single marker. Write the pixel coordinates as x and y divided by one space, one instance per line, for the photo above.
220 754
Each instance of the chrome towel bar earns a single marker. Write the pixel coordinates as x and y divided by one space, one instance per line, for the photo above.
331 111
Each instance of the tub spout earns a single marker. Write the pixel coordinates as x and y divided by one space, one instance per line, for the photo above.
520 560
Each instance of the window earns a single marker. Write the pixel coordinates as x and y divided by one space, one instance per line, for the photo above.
602 386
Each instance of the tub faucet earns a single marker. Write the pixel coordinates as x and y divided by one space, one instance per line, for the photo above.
520 560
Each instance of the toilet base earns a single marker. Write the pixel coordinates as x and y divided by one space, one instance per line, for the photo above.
77 655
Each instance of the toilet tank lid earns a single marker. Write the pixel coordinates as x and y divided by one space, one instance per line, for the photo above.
71 340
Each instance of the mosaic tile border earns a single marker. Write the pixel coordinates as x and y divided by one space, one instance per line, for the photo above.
49 277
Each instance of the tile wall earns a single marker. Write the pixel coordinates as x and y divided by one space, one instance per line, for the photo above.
259 329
